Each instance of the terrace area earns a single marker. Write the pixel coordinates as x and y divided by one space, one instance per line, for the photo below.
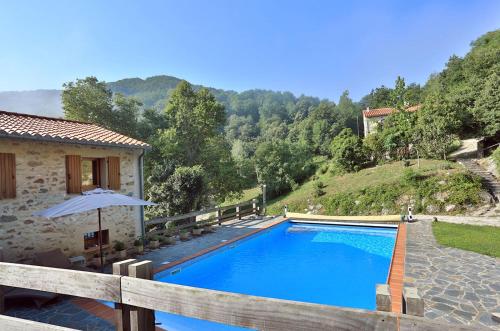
463 294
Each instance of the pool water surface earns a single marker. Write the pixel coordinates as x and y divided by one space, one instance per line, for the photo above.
327 264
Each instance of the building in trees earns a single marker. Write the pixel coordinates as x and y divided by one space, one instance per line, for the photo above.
374 117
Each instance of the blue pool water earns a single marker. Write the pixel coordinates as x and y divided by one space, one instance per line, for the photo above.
326 264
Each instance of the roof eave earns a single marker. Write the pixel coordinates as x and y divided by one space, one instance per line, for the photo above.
73 141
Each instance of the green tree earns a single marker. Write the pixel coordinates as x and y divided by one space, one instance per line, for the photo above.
347 151
281 165
88 100
487 106
126 112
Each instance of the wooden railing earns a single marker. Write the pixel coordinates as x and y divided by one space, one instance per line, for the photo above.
219 216
135 298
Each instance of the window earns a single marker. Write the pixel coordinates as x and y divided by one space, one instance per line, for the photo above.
91 173
7 176
87 173
91 239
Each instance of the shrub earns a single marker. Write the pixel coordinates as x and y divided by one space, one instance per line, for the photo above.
347 151
318 189
118 246
496 158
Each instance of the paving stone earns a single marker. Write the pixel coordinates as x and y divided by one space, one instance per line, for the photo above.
457 286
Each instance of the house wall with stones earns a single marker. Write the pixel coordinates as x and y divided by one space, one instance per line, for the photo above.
370 123
41 183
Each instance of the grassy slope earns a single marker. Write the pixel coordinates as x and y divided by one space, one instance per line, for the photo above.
479 239
384 174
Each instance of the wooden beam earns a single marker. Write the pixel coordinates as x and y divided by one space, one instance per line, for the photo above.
18 324
2 290
141 319
63 281
250 311
122 311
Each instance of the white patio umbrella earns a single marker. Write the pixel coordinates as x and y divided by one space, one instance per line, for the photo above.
94 199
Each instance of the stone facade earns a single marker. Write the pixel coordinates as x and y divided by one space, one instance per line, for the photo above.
41 183
370 123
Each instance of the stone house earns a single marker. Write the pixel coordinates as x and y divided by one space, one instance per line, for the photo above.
374 117
44 161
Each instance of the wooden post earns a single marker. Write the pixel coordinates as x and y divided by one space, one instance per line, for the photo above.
141 319
412 302
219 216
122 311
383 297
238 215
264 199
2 297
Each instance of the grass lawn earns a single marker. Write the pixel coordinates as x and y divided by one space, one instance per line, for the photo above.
479 239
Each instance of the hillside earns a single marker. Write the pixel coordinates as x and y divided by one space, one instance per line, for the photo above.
436 187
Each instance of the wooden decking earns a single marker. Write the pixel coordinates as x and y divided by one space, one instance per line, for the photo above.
396 274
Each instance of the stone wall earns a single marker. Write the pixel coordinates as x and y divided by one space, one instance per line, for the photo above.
41 183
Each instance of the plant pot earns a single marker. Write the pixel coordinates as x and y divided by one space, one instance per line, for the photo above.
154 244
197 232
122 254
140 249
184 236
169 240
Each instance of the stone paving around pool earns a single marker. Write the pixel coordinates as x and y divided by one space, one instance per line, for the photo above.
457 286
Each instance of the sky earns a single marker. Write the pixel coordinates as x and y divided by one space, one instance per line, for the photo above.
311 47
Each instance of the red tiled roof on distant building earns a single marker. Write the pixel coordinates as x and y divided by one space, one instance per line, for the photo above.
17 125
386 111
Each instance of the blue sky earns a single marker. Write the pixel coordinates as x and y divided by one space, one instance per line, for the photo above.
313 47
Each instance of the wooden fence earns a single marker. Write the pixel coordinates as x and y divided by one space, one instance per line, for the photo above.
135 296
216 215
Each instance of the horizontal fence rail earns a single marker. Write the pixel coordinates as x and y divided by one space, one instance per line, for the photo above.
141 296
220 215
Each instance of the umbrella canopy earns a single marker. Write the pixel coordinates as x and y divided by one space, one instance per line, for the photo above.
91 200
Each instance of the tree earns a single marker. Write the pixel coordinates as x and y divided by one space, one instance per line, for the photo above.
281 165
193 139
347 151
88 100
435 125
126 113
487 106
349 113
176 190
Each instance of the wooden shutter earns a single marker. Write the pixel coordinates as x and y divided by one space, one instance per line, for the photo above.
114 173
7 176
73 173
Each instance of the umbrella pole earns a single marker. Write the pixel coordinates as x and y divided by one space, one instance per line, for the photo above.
100 239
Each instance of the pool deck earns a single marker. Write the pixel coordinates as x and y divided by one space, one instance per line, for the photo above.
458 287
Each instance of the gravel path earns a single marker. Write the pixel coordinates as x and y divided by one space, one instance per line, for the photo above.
472 220
457 286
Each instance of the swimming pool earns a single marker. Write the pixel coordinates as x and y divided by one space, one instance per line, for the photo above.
328 264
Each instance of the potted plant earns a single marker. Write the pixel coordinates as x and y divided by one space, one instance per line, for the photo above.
170 230
154 242
139 245
184 235
197 230
119 247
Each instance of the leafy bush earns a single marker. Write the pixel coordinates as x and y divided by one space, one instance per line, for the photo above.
347 151
318 189
496 158
118 246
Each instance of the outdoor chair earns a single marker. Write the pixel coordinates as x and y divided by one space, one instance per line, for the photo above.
56 259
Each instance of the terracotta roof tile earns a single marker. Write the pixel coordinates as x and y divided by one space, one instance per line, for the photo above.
55 129
386 111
